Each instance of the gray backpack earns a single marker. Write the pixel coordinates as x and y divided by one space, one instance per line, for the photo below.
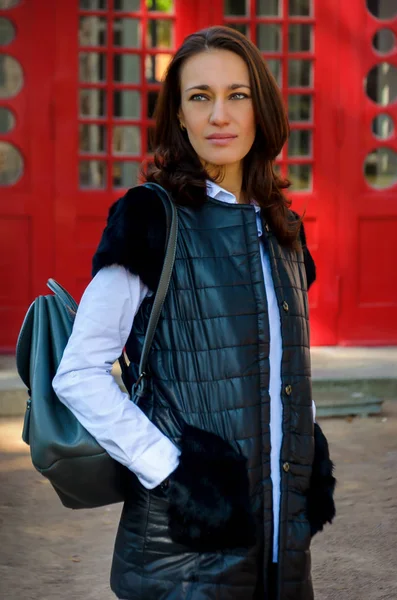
79 469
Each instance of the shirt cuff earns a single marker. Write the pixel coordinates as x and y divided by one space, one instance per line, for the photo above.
157 463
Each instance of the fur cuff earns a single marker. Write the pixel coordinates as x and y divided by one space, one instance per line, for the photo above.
209 505
320 500
309 262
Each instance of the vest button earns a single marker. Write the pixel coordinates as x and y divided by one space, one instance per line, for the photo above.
285 306
286 467
288 390
267 227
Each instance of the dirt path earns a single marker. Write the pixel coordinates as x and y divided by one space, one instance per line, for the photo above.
50 553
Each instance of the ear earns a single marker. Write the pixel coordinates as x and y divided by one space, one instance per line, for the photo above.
181 119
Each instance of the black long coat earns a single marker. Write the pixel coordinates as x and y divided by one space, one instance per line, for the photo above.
209 535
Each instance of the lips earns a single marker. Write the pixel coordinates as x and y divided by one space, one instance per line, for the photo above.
221 139
221 136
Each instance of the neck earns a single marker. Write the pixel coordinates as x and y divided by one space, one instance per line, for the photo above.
232 179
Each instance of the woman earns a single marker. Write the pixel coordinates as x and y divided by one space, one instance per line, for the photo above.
224 488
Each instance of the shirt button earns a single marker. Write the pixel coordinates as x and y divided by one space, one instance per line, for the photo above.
286 467
285 306
288 390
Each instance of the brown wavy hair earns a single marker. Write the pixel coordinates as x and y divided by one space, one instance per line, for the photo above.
176 165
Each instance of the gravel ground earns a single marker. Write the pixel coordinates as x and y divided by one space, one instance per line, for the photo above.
50 553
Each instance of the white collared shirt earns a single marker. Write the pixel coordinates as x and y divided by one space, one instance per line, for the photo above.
275 354
84 382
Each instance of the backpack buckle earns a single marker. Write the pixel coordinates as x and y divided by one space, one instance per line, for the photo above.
139 387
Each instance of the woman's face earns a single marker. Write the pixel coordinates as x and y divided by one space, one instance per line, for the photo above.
216 107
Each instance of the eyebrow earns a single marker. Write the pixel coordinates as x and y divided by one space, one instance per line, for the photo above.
204 87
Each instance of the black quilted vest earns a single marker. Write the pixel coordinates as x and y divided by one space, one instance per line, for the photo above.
209 367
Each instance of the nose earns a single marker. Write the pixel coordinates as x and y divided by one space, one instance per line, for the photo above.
219 115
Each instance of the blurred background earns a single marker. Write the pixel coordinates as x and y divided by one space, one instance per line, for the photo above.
78 85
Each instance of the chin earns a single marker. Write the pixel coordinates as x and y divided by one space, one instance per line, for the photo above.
222 160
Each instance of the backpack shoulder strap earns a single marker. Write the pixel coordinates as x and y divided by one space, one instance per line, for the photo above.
165 278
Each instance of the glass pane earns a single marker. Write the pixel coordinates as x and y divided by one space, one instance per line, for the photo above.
126 104
92 67
382 9
92 138
93 4
92 31
92 173
11 164
156 66
300 143
384 41
4 4
127 33
268 8
166 6
92 103
159 34
383 127
300 107
275 66
125 174
300 8
268 37
127 68
7 120
380 168
241 27
127 5
299 73
235 8
380 84
7 31
300 176
11 76
300 38
151 103
126 140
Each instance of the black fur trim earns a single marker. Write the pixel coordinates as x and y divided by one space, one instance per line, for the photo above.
320 500
135 236
310 265
209 505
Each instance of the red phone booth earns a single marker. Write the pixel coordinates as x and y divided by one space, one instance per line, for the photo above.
78 84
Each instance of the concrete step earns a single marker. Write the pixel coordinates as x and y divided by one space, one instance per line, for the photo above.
355 397
13 393
353 381
346 381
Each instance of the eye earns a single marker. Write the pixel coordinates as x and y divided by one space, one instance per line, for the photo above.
198 97
239 96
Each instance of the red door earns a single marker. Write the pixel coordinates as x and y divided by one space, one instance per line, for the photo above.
26 159
367 189
75 120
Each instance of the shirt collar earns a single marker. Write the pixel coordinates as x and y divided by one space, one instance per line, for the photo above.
218 193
